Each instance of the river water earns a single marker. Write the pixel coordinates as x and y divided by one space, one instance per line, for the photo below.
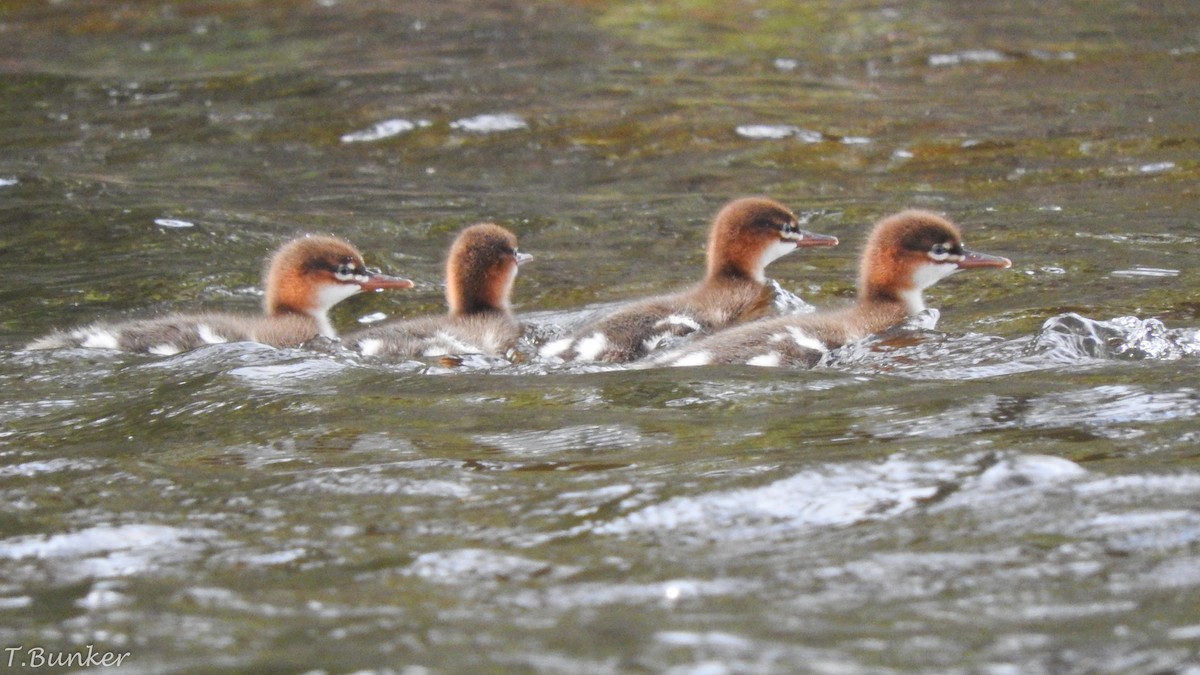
1013 489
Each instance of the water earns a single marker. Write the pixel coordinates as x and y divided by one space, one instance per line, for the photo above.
1008 485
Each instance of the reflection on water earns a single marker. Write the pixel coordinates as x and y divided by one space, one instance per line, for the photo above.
1008 484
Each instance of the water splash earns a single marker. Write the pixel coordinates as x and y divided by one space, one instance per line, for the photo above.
787 302
1072 337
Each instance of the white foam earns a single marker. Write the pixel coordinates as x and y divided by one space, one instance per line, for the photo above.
483 124
99 540
766 131
778 131
373 317
382 130
165 349
1157 167
967 56
1023 471
591 347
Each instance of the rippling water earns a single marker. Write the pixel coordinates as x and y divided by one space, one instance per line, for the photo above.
1006 485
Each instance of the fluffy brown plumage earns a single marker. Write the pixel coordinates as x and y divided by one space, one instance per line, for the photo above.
904 254
480 270
304 278
745 236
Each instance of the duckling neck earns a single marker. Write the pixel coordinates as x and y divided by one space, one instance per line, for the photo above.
325 327
731 273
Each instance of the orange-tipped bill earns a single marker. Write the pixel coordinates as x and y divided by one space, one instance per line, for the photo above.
971 260
806 239
379 282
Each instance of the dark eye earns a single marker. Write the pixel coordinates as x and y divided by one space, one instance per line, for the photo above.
347 270
942 252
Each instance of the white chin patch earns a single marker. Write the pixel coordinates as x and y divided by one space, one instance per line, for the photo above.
329 295
931 273
926 276
775 251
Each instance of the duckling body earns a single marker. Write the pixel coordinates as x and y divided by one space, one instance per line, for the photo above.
304 279
480 271
746 236
905 254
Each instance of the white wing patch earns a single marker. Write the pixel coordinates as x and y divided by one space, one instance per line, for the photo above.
806 341
679 320
370 346
556 347
208 335
591 347
769 360
97 338
651 343
444 344
700 358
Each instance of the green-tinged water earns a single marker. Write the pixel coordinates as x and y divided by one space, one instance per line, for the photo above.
1015 490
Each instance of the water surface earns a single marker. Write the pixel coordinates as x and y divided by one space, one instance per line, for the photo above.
1009 489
